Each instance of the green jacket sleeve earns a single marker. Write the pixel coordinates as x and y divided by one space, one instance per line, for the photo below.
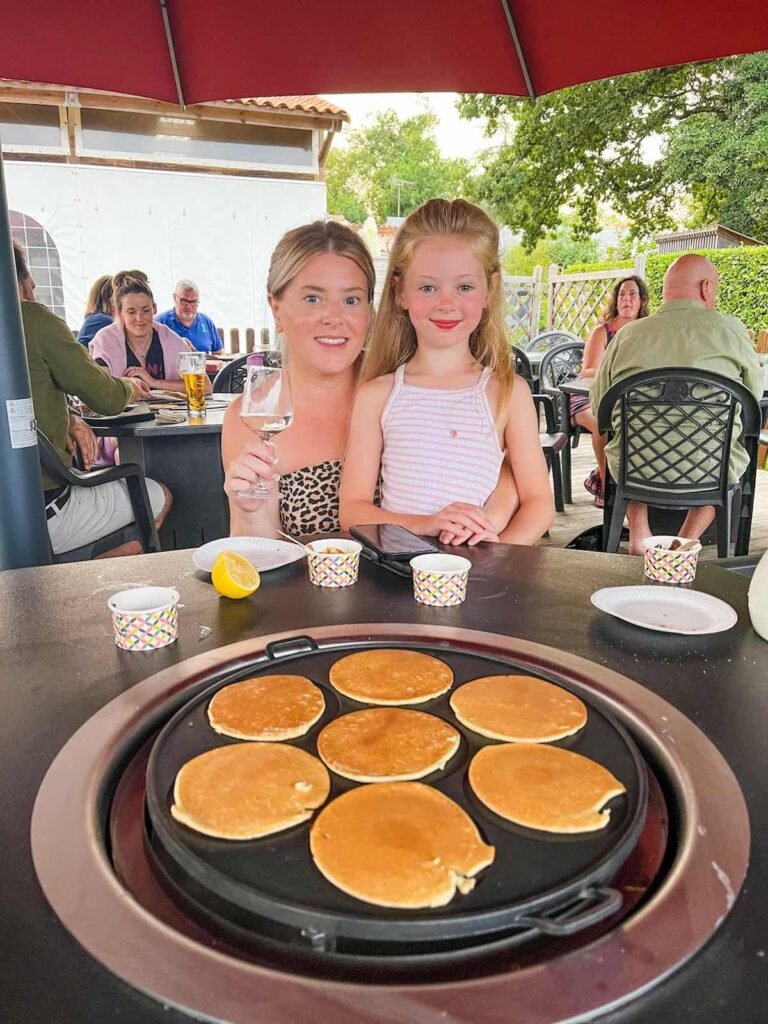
76 373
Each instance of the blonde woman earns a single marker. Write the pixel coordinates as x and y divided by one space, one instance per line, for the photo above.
441 411
320 289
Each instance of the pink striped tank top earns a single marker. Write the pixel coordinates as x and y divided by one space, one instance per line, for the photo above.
438 447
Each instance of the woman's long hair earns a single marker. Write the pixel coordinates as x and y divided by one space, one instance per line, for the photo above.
100 297
612 309
393 338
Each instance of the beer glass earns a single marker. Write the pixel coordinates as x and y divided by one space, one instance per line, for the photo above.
192 372
266 408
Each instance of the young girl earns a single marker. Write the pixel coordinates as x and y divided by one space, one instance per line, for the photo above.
441 405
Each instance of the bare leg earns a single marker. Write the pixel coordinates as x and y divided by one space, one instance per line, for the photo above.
587 420
639 527
166 507
133 547
697 520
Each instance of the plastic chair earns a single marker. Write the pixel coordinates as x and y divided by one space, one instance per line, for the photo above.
549 339
676 425
553 442
560 365
143 527
523 366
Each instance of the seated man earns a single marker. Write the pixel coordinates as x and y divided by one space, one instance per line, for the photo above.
185 320
685 331
58 366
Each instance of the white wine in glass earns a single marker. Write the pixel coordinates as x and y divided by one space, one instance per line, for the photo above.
267 409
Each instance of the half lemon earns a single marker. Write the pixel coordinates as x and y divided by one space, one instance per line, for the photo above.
234 576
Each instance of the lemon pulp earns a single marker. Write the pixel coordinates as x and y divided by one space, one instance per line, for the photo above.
234 576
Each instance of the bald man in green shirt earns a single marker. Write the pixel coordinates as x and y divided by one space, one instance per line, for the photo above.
686 330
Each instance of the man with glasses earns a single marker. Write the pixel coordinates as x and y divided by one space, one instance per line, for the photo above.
185 320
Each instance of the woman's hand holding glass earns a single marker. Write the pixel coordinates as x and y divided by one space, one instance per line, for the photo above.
266 408
253 467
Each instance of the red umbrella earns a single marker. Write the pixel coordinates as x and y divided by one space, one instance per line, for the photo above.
198 50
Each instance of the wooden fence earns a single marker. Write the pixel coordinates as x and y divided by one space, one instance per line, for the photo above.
575 302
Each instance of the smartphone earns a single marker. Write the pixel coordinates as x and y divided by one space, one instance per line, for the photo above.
392 542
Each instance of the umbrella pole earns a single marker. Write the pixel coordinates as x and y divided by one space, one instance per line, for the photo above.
23 530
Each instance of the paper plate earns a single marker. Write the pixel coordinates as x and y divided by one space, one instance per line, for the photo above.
262 552
666 609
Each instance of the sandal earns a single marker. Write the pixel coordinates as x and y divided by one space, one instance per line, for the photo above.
593 483
599 501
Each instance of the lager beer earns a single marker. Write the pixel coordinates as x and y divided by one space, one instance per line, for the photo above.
194 385
192 372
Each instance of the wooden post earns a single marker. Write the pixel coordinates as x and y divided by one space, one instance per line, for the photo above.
535 317
639 268
250 339
551 275
234 340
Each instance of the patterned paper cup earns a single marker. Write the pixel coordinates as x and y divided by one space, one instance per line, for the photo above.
333 562
665 566
440 580
145 618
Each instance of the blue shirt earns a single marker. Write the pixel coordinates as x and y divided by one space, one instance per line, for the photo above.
202 334
93 323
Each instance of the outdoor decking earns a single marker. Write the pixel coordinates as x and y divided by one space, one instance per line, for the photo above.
582 513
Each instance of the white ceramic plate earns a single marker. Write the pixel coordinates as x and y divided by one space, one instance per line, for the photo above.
667 609
263 552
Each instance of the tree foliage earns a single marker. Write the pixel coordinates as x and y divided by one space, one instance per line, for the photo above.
561 247
589 144
359 176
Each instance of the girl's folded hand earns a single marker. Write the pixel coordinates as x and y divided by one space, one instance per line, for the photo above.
465 523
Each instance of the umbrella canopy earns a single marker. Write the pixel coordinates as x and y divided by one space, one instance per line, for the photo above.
191 51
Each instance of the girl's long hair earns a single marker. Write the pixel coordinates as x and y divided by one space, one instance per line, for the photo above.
393 338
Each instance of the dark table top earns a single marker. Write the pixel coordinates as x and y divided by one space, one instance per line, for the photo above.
208 424
60 665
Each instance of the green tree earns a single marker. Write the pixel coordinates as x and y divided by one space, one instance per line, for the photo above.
588 144
560 246
359 176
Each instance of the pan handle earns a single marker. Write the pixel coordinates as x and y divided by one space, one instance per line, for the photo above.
592 905
293 645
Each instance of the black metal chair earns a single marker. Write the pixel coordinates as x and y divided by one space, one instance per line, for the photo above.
143 527
549 339
560 365
676 425
231 378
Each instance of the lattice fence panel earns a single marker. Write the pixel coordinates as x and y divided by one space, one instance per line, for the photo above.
576 302
522 302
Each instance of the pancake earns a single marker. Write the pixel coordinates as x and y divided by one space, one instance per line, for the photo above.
247 790
387 745
545 788
398 844
390 677
266 708
518 708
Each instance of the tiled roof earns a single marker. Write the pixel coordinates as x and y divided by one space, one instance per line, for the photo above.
307 104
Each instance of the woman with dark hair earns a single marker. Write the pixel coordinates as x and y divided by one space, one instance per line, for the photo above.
628 302
98 309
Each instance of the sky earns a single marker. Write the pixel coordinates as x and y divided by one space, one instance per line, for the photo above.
455 136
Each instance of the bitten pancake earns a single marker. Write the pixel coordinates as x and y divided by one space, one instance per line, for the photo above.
266 708
519 708
399 844
246 790
390 677
387 745
545 788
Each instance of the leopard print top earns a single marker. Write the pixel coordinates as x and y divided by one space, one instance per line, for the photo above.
309 499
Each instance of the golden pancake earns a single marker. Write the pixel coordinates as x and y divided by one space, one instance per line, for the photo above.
545 788
518 708
267 708
387 745
399 844
246 790
390 677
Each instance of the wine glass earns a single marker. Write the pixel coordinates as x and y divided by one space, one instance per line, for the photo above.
267 409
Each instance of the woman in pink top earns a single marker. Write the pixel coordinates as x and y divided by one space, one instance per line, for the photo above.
134 345
441 407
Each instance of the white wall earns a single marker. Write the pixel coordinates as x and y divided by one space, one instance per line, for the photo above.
219 230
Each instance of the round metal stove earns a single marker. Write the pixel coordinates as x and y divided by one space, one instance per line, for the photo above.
92 849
